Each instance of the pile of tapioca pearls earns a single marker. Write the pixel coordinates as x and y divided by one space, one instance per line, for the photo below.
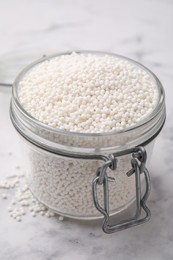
22 201
88 93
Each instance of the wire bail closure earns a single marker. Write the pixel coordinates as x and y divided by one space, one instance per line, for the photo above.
138 162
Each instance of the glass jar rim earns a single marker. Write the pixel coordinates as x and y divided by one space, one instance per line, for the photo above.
161 98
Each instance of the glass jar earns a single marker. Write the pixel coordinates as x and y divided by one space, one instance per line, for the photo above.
89 175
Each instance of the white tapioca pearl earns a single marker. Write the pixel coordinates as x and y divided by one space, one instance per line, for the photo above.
19 219
10 209
4 196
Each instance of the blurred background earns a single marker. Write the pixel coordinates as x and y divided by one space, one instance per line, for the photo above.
139 29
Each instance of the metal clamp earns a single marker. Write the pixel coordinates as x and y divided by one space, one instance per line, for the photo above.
138 162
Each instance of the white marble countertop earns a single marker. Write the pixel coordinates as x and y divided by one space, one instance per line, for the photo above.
141 30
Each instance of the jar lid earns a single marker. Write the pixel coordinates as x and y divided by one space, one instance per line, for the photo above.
13 62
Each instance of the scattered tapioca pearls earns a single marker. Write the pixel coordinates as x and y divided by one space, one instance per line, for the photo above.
88 93
21 199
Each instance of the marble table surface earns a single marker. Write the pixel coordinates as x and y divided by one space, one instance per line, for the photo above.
141 30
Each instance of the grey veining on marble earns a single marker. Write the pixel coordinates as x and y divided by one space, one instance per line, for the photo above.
141 30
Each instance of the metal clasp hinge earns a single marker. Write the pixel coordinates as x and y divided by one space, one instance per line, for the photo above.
138 162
